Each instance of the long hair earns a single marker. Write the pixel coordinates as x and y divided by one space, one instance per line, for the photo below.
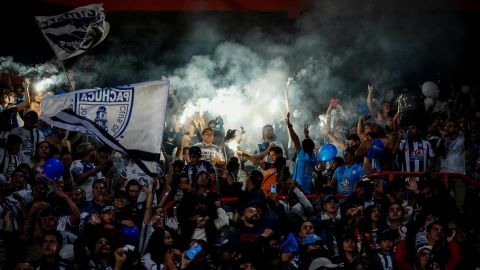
36 156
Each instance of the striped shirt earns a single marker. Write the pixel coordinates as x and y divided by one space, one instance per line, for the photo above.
8 163
30 138
414 155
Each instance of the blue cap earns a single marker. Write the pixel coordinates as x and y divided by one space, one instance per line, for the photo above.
311 239
329 198
108 208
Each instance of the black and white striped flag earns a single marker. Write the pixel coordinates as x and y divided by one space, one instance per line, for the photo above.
74 32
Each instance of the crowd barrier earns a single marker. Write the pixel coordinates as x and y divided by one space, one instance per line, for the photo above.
390 176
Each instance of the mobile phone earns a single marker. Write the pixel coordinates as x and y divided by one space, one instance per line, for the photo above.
273 188
333 101
193 251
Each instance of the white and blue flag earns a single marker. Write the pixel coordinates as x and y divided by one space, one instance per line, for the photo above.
127 118
74 32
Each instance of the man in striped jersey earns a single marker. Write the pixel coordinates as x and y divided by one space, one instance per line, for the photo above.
210 151
30 135
415 153
9 158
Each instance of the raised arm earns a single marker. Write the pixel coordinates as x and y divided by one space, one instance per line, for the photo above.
293 135
360 128
73 207
148 207
371 108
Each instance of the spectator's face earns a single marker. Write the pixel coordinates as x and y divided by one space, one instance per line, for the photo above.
157 218
386 107
133 192
77 196
399 194
48 222
386 245
412 131
18 180
120 203
43 150
108 217
14 149
167 239
38 192
50 246
208 137
194 160
375 215
38 97
102 247
331 206
30 122
23 266
436 233
395 212
250 215
202 180
423 258
247 266
273 155
451 129
102 157
268 133
306 229
99 190
348 245
349 158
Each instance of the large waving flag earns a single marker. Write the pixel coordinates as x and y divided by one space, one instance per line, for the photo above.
128 118
73 33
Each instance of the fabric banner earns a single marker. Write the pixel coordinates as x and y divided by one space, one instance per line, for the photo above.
127 118
74 32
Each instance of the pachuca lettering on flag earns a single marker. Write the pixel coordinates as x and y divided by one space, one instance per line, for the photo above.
127 118
74 32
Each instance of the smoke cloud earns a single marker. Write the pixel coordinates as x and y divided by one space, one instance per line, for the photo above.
332 51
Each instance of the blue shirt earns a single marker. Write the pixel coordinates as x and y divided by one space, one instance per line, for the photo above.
347 177
303 169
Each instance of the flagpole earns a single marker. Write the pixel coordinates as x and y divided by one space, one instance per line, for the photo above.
66 74
58 58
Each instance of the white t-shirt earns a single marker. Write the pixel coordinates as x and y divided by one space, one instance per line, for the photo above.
454 159
30 141
210 152
150 264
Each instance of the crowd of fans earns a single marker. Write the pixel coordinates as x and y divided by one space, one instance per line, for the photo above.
279 207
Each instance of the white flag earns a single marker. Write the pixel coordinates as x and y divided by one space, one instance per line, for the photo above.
128 118
73 33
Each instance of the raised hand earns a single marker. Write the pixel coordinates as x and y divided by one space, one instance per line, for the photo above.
287 119
95 219
370 88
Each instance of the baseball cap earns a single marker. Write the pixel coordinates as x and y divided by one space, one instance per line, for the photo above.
311 239
424 248
329 198
195 151
108 208
120 194
322 262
